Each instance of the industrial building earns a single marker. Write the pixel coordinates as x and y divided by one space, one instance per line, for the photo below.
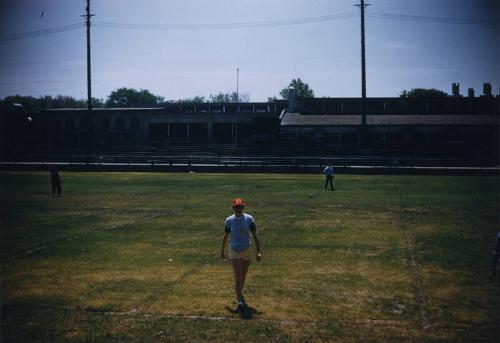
421 131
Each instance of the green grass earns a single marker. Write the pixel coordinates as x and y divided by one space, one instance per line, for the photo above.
134 256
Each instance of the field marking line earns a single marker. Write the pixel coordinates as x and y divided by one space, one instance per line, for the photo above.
135 313
412 262
370 322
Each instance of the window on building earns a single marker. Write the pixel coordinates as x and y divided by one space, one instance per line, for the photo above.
351 106
69 124
158 131
105 124
120 123
198 131
84 123
333 107
178 130
56 125
134 124
375 106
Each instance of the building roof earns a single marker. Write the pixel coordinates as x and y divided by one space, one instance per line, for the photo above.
427 119
105 109
296 119
290 119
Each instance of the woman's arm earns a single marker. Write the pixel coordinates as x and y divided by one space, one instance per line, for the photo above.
224 242
256 240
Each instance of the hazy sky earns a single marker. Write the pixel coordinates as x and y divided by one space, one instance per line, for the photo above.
179 49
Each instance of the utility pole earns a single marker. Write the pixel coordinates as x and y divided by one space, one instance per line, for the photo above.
237 84
89 86
237 104
362 7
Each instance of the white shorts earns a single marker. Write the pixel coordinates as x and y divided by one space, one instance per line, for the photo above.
244 255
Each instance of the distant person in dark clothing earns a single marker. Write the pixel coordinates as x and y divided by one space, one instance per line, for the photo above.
496 256
55 181
330 175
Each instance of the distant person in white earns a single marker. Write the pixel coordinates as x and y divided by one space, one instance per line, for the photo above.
330 175
238 226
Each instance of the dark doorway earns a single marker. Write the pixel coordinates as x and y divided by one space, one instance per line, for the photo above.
223 131
158 131
198 131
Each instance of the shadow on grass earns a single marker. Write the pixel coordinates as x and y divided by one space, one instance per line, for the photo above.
247 313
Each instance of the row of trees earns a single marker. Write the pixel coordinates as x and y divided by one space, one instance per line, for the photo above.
34 105
423 93
122 97
130 97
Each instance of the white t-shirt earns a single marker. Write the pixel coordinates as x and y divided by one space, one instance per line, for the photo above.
240 227
328 171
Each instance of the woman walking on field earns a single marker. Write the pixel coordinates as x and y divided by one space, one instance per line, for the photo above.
238 227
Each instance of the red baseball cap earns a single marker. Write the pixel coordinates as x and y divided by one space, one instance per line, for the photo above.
237 202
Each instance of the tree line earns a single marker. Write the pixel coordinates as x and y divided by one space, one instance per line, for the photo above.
130 97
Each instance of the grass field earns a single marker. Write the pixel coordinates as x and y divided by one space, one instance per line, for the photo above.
135 257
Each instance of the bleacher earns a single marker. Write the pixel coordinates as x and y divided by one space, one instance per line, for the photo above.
280 151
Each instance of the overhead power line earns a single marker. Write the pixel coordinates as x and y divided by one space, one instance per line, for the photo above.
256 24
38 33
430 19
296 21
37 82
57 61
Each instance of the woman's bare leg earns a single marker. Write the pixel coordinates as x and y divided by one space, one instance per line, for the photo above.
244 269
236 263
